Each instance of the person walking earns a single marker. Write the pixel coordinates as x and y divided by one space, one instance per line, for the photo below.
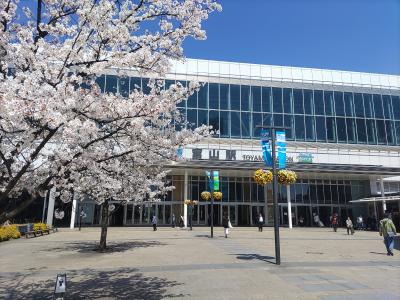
181 222
260 223
349 226
173 221
388 231
335 222
225 224
360 223
154 222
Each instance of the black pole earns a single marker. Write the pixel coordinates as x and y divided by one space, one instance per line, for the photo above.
212 215
275 195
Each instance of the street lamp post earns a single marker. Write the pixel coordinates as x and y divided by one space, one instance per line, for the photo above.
275 191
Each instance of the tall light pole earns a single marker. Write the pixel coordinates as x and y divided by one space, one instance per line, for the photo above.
275 190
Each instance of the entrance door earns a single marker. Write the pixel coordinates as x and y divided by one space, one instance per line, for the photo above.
217 212
202 214
284 215
243 215
303 213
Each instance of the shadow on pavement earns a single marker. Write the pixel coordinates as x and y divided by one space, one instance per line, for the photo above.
125 283
90 247
268 259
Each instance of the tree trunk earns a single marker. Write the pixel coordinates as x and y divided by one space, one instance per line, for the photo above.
5 215
104 226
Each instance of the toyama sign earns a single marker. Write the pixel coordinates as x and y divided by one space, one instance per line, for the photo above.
232 155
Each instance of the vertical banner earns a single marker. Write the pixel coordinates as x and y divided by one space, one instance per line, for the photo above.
216 180
266 148
281 143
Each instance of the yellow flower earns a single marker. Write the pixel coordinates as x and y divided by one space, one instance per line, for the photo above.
262 177
205 195
217 195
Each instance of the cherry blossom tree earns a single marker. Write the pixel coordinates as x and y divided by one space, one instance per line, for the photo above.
57 128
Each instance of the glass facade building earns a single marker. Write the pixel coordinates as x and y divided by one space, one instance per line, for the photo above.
347 122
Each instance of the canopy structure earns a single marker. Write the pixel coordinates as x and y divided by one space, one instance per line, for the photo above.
377 199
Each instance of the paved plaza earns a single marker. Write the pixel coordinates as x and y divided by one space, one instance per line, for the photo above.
177 263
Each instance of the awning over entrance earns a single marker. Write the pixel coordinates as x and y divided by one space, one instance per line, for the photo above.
298 167
376 199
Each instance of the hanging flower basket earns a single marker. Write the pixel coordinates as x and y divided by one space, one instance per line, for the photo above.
205 195
191 202
286 177
263 177
217 195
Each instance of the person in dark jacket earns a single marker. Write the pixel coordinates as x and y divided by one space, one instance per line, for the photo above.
225 224
335 222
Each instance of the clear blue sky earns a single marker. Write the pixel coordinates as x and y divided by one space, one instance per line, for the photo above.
356 35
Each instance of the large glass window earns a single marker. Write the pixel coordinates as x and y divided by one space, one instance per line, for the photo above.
300 128
101 82
278 120
390 132
320 129
397 125
256 98
277 100
235 124
381 132
246 125
308 102
123 86
328 100
267 119
339 105
348 104
319 103
202 117
361 131
145 86
224 96
214 96
368 105
191 101
371 131
341 130
235 97
257 120
245 94
310 128
224 123
203 96
331 129
359 105
213 120
351 130
288 119
298 101
387 108
378 108
266 99
111 84
287 101
192 118
396 107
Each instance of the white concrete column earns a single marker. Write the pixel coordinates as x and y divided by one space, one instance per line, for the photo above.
50 208
289 206
373 186
382 194
125 213
185 197
73 213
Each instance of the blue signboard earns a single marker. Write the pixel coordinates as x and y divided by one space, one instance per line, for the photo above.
266 148
281 143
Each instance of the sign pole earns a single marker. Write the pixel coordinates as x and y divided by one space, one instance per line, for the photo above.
275 196
212 213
